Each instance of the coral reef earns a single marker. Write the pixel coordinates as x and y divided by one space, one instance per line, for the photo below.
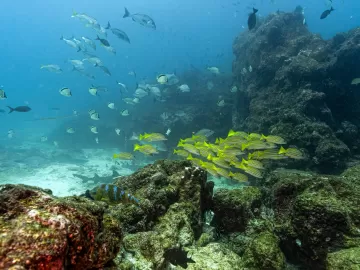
39 231
299 88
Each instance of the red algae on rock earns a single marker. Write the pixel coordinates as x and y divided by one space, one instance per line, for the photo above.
39 231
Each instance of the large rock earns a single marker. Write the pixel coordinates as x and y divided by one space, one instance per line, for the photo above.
316 214
39 231
173 197
299 88
234 208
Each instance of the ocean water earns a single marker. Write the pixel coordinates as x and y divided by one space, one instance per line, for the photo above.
190 36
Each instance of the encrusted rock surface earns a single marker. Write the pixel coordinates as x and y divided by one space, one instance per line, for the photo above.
39 231
300 88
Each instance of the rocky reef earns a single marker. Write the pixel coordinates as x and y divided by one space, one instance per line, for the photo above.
290 219
39 231
300 88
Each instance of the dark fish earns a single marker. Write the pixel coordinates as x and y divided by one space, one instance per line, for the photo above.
19 109
111 194
177 256
326 13
103 41
252 19
119 33
142 19
2 94
103 68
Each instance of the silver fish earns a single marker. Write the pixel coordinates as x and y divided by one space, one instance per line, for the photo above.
142 19
89 42
52 68
70 130
71 43
65 91
119 33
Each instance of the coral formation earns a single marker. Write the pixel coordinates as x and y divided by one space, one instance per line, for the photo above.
39 231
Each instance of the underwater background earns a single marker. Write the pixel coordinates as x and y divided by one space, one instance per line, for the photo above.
183 126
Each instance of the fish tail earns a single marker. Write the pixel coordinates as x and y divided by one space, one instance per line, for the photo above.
332 9
108 26
97 37
62 37
10 109
127 13
79 49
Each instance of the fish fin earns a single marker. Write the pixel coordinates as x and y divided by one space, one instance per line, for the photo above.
62 37
10 109
79 49
255 10
332 9
127 13
96 65
97 37
108 26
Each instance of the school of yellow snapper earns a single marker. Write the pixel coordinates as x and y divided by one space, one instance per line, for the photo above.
239 150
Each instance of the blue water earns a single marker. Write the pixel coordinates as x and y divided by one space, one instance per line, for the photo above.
188 33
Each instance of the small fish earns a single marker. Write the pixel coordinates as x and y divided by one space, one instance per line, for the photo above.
178 257
70 130
273 139
97 140
65 91
168 132
210 85
56 144
19 109
252 19
2 94
233 89
103 68
326 13
238 176
122 85
221 103
71 43
103 41
94 60
93 91
111 105
181 152
125 113
250 68
214 70
11 133
140 93
117 130
43 139
162 79
110 49
94 116
184 88
118 33
206 132
142 19
132 73
146 149
355 81
89 42
124 156
304 21
93 129
152 137
112 195
78 64
291 153
75 113
52 68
